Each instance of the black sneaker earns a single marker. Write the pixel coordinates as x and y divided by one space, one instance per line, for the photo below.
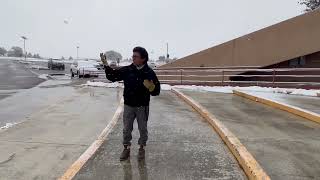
141 154
125 154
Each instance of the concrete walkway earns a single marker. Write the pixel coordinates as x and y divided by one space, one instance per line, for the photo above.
53 136
181 146
285 145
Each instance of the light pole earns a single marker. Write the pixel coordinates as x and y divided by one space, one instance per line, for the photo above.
77 52
24 47
167 50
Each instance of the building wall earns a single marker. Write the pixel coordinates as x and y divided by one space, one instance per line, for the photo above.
289 39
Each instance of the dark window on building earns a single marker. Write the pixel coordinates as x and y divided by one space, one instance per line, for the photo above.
302 61
294 62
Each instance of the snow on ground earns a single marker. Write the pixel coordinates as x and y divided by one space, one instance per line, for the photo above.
221 89
8 125
22 59
103 84
11 58
43 76
39 67
29 60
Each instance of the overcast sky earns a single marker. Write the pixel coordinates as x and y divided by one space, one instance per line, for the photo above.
100 25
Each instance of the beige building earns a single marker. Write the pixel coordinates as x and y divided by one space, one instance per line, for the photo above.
291 43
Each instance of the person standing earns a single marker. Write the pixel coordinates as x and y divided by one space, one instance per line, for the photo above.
140 81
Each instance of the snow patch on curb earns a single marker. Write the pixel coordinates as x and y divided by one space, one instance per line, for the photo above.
43 76
103 84
8 125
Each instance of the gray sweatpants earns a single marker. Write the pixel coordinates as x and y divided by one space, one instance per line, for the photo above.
129 115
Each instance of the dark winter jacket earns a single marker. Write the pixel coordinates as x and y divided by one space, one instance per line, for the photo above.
135 93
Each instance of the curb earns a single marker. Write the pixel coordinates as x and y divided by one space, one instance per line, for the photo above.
78 164
251 167
291 109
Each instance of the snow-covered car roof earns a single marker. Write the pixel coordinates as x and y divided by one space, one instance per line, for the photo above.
87 63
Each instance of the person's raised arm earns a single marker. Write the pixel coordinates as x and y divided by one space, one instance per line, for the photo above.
111 74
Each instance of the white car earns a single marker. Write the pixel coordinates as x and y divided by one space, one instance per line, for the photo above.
152 65
113 64
85 68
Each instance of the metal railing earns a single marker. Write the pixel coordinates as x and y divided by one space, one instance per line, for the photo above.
235 76
309 77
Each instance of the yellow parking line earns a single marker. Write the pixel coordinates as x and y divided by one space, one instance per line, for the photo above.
291 109
251 167
78 164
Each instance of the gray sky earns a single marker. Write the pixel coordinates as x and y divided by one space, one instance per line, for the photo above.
99 25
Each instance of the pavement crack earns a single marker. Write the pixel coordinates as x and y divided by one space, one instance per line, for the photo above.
48 143
9 159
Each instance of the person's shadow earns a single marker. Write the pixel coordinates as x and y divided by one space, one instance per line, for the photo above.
142 166
127 170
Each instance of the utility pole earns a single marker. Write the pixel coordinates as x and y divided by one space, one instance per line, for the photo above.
77 52
167 50
24 47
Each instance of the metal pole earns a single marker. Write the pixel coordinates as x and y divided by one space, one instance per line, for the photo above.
181 76
77 52
167 50
24 47
273 77
222 81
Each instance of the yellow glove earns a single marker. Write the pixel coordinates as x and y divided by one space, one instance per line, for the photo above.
149 85
103 58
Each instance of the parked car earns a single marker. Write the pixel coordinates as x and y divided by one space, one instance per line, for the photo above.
152 65
85 68
113 64
56 64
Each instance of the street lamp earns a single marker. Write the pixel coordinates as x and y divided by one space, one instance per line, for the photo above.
24 46
77 52
167 50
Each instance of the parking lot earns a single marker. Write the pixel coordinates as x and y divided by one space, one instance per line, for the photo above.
16 76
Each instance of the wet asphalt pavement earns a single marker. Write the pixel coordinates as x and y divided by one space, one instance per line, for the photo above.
14 75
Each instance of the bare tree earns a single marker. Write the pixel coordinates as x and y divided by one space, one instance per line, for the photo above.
113 55
162 58
310 4
3 51
36 56
15 51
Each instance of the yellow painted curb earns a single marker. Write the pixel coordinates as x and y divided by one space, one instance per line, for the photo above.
251 167
291 109
78 164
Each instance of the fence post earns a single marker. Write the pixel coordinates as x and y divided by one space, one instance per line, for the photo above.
222 80
273 77
181 76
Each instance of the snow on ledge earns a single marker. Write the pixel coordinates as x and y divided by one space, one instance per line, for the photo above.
221 89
